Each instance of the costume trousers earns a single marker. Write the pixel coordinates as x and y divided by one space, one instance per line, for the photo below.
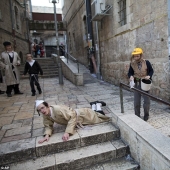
137 101
34 80
10 87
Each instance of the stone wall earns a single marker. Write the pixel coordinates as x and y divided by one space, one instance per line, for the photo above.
147 146
20 41
147 27
73 12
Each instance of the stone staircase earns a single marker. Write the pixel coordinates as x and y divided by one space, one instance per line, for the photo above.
49 67
92 148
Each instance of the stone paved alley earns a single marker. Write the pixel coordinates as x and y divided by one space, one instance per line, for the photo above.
19 120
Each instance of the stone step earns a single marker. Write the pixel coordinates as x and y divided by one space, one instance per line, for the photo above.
83 137
21 150
44 76
78 158
117 164
46 72
49 67
43 68
43 63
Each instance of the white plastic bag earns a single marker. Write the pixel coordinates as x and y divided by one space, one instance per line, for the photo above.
132 84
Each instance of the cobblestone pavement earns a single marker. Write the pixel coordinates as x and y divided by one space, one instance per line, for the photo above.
19 120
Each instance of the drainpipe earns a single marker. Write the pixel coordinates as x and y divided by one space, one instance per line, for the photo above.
89 22
97 51
90 36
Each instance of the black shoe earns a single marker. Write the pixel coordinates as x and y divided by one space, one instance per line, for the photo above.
40 92
146 118
2 92
19 92
95 102
9 95
33 94
91 103
101 112
103 103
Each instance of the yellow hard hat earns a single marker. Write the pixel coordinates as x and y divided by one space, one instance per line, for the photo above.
137 51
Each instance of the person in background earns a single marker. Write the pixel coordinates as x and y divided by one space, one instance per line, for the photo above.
41 50
10 62
140 69
33 68
64 115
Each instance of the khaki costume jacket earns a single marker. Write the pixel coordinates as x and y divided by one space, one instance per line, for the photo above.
6 65
67 116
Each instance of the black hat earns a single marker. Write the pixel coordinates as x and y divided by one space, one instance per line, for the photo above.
6 43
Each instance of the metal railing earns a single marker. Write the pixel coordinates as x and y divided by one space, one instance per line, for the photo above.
141 92
72 58
57 61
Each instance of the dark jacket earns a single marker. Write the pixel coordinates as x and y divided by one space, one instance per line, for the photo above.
149 70
34 69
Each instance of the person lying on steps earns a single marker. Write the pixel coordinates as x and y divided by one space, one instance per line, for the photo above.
64 115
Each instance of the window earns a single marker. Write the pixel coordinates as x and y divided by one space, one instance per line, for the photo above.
122 15
122 12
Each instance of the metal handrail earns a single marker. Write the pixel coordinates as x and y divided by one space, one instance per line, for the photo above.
140 91
73 59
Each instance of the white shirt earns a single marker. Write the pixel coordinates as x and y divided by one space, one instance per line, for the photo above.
31 62
10 53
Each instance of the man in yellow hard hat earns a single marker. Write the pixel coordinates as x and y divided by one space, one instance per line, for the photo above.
140 69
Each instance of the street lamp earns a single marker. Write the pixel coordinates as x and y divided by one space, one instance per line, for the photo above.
56 29
57 42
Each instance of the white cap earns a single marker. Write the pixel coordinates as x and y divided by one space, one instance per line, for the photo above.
38 102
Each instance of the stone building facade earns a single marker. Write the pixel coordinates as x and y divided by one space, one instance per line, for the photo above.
145 26
74 13
14 26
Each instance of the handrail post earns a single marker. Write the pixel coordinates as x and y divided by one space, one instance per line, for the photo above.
78 66
60 73
121 98
67 57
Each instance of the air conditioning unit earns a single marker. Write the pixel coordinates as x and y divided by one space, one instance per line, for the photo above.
97 7
98 10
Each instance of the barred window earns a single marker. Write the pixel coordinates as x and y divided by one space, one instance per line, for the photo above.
122 12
